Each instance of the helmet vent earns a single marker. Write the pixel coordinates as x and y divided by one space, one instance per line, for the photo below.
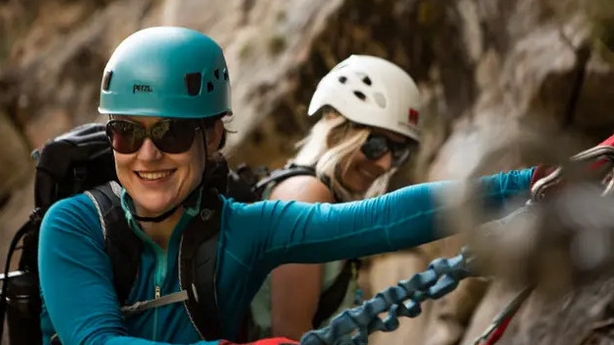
209 86
366 80
342 80
225 72
380 99
216 73
193 83
360 95
106 80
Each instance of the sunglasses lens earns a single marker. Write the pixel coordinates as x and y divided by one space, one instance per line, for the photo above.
375 147
125 137
378 145
174 136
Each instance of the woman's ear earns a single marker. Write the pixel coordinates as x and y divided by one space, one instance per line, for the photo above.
214 136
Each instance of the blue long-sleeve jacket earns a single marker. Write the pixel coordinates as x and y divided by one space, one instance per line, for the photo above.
80 303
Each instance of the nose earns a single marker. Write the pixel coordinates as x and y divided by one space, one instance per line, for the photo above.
149 151
384 162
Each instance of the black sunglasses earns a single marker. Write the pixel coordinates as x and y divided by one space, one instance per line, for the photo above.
377 145
169 135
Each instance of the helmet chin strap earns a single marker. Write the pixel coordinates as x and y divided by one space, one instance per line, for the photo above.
165 215
156 219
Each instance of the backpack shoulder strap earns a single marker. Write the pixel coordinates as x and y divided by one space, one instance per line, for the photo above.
197 264
283 174
122 245
332 298
288 171
197 256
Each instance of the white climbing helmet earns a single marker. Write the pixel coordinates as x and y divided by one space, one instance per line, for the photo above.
371 91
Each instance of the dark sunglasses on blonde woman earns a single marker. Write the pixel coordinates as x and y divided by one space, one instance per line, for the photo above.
377 145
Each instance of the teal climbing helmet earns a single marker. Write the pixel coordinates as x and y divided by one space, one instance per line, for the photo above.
166 72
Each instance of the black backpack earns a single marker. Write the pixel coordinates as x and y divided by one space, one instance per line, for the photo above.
77 161
82 161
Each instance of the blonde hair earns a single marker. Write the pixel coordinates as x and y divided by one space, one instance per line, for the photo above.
331 140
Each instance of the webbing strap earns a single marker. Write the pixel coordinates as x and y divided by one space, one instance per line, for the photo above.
499 324
141 306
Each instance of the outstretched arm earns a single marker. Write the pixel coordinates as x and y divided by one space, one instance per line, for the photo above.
291 313
283 232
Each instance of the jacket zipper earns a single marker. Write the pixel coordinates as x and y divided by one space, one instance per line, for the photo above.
159 278
185 303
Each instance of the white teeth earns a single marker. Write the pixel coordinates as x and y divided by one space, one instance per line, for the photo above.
152 176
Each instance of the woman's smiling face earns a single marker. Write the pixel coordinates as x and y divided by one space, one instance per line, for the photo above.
155 180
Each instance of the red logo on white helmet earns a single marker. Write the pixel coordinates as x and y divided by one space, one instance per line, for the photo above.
413 116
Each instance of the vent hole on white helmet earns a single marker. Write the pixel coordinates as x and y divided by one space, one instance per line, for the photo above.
360 95
380 99
366 80
342 79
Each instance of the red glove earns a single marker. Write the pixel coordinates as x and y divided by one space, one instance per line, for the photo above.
266 341
540 172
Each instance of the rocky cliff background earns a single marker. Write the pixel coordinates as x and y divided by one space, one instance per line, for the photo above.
491 72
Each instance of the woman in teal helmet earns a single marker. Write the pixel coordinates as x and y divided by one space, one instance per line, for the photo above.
166 90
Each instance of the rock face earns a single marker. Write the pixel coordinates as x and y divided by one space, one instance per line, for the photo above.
491 71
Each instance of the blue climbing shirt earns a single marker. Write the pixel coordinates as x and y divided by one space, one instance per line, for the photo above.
80 303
